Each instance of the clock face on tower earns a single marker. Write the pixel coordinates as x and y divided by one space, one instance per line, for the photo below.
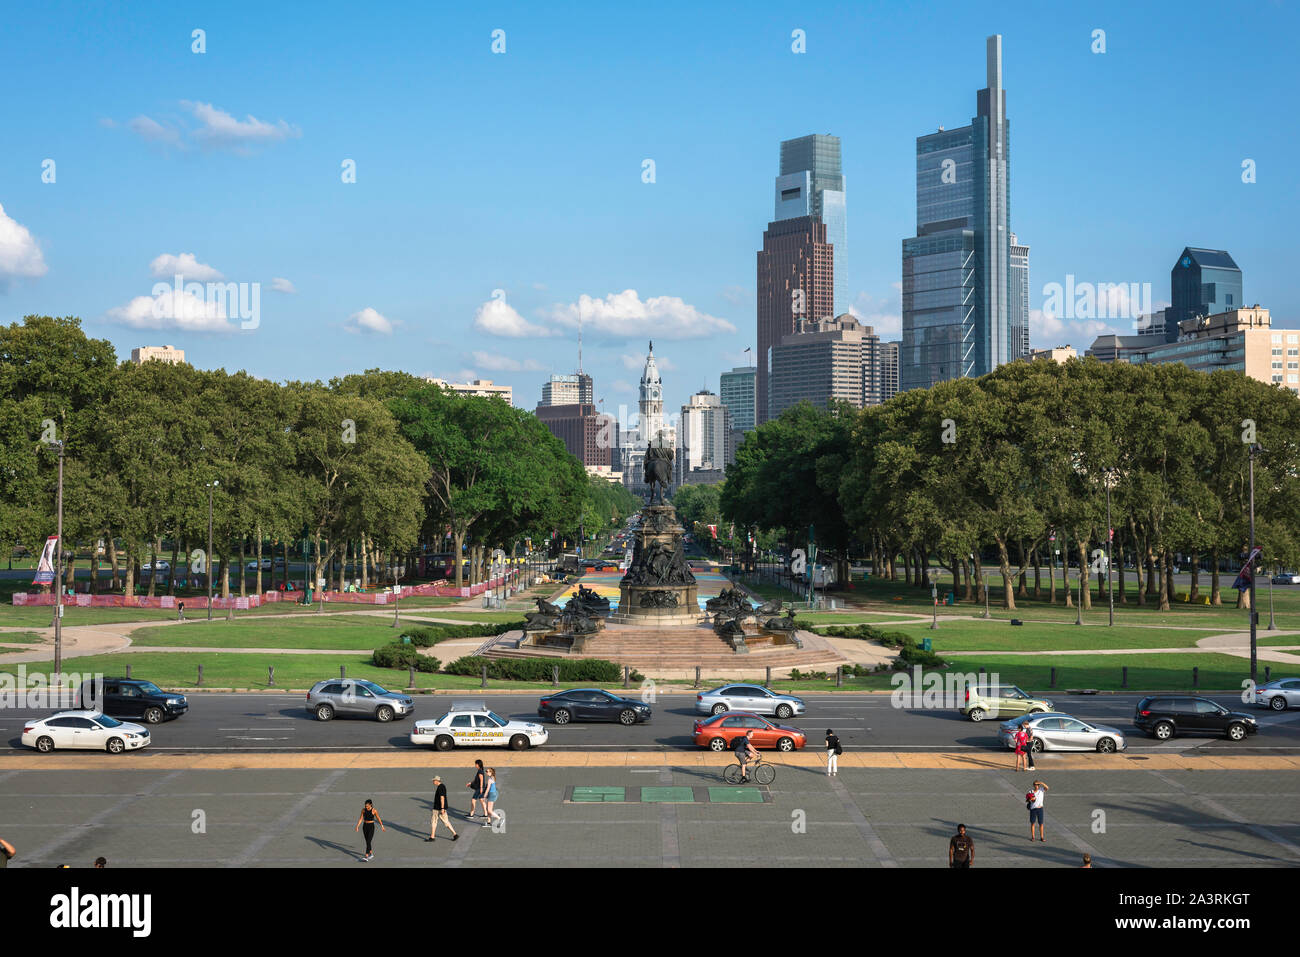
654 393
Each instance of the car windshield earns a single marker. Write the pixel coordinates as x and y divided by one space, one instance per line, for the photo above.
148 687
501 722
105 721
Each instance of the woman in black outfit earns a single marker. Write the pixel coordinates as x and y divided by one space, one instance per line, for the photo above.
367 820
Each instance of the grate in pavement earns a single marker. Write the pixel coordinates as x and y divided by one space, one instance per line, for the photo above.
668 795
597 795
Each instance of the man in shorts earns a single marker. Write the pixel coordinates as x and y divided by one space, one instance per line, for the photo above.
745 754
1036 810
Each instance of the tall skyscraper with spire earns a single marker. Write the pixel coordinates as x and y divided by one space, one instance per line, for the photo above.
957 278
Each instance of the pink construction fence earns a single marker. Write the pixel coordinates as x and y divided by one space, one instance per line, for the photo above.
440 589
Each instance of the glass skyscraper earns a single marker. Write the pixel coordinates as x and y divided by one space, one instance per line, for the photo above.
957 280
812 184
1203 282
1018 308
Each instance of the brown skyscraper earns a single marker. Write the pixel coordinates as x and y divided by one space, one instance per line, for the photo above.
796 281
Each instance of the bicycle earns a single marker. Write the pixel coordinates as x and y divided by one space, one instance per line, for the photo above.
759 770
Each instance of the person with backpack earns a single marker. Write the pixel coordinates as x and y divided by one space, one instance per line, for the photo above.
833 752
1034 804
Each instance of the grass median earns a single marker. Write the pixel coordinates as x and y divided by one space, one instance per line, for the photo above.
325 633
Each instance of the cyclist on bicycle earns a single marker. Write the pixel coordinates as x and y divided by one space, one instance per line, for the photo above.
745 754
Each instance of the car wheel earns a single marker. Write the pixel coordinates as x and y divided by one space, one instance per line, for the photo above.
1106 746
719 708
718 744
45 744
784 711
1163 730
1036 746
116 746
1236 732
519 742
443 742
1278 703
785 744
1036 711
976 714
627 718
562 716
324 712
153 715
385 713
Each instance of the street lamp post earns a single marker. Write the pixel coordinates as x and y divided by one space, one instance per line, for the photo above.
1255 449
1110 534
934 597
58 568
211 486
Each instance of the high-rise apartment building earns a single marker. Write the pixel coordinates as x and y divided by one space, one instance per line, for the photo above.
737 391
796 274
704 437
1203 282
811 183
888 370
1018 302
956 270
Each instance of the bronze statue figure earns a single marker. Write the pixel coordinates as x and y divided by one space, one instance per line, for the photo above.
658 472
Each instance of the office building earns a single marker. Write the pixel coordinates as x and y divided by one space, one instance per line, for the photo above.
704 437
1056 354
583 431
574 389
737 391
1242 340
832 359
481 387
811 183
796 272
170 354
956 270
888 370
1203 282
1018 299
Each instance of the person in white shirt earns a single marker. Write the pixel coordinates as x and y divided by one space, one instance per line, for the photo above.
1036 810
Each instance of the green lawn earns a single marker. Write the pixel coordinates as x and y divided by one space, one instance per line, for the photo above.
327 633
1145 672
967 635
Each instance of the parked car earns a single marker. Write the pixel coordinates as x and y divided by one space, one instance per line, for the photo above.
132 698
343 697
1279 694
84 730
1056 731
471 724
148 567
592 704
1001 701
1163 716
743 697
717 733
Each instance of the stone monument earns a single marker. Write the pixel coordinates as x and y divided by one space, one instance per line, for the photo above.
658 589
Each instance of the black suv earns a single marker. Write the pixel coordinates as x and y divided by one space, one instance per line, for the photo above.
132 698
1164 716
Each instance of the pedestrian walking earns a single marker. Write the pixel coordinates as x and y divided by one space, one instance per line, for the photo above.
961 849
478 788
6 851
439 812
833 752
1087 862
1034 801
101 863
1029 746
369 816
1020 737
180 611
490 799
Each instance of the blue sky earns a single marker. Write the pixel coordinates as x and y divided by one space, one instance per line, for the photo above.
522 171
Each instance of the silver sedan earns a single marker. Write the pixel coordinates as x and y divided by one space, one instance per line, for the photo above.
1055 731
1279 694
741 697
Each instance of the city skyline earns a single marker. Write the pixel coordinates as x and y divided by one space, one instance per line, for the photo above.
226 166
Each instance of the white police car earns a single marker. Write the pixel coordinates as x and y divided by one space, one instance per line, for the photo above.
469 724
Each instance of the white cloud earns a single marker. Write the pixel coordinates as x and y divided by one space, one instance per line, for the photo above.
152 131
19 254
219 128
279 284
495 362
170 309
1047 331
624 315
884 315
622 385
496 317
736 294
166 266
370 322
637 362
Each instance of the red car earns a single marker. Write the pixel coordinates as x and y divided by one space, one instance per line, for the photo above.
718 732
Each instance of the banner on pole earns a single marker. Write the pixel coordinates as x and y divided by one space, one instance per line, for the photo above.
45 567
